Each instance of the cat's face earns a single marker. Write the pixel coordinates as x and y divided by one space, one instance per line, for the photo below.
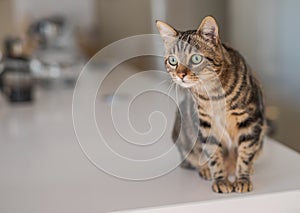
194 56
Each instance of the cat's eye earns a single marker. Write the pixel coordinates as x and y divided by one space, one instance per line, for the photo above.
196 59
172 60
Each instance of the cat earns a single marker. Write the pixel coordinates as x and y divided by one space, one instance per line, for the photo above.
227 98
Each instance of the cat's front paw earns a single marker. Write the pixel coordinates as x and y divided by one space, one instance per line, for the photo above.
222 186
205 173
242 185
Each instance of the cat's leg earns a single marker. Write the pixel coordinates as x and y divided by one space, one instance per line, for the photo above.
204 172
191 157
249 146
214 151
188 162
187 165
193 161
181 142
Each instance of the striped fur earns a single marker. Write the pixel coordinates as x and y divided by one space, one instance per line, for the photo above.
229 104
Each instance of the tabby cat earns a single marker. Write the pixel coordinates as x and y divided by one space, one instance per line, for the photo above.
229 105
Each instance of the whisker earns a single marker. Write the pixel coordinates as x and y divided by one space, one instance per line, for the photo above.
169 93
162 82
176 94
169 88
167 83
176 97
194 113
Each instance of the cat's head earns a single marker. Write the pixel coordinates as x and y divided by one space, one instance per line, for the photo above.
193 56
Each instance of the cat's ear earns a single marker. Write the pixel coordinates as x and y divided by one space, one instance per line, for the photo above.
209 29
167 32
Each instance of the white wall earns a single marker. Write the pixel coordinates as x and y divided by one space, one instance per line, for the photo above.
252 31
266 33
288 31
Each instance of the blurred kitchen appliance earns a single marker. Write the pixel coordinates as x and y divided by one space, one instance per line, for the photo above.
16 81
46 31
57 57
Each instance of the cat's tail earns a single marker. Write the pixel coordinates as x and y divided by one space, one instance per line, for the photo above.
271 127
272 114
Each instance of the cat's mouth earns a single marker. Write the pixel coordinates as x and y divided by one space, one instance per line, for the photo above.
185 82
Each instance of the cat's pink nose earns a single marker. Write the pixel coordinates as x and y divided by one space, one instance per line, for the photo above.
181 75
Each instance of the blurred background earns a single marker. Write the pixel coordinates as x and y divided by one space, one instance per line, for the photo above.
53 39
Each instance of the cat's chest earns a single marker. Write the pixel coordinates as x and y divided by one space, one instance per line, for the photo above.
216 111
223 124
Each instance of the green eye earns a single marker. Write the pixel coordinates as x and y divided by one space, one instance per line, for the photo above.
196 59
172 60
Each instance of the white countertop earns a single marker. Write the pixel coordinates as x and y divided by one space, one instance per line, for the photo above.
43 168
